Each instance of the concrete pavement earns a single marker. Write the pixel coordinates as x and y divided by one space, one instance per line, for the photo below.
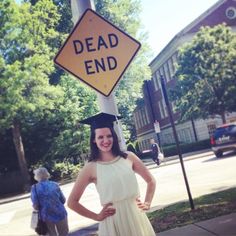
220 226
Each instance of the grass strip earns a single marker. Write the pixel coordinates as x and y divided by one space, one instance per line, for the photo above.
206 207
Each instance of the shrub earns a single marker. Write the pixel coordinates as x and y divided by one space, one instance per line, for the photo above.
59 170
131 148
171 150
137 147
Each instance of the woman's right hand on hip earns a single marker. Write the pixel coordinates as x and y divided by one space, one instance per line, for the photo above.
107 211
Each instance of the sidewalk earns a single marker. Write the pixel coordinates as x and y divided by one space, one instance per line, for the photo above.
219 226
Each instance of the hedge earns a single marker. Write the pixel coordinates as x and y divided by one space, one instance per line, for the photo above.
171 150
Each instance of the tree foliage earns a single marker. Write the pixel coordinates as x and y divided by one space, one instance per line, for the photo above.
78 102
40 103
206 71
27 33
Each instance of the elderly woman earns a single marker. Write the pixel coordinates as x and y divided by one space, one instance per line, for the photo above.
47 196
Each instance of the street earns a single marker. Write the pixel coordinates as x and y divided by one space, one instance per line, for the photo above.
205 175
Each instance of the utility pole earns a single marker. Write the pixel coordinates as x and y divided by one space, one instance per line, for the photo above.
176 140
152 112
106 104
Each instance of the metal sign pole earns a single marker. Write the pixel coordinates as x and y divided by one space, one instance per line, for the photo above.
176 140
106 104
146 84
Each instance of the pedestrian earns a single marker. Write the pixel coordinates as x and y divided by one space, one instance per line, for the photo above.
155 151
113 173
47 197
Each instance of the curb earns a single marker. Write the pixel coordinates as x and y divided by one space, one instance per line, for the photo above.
15 198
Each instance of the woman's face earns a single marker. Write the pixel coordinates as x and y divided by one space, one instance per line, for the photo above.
103 139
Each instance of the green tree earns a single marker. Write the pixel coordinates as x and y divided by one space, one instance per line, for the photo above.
27 35
64 27
78 102
206 72
59 135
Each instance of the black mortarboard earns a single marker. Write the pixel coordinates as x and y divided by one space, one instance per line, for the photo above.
101 120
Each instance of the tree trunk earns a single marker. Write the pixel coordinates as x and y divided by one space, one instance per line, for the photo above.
223 117
20 154
194 130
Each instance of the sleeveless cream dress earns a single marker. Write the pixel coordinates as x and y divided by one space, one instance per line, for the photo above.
117 184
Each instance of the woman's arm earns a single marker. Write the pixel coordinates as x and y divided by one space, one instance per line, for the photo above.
85 177
82 181
142 170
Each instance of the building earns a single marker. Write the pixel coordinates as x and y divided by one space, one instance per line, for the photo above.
153 107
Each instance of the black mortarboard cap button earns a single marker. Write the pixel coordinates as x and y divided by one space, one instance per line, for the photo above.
101 120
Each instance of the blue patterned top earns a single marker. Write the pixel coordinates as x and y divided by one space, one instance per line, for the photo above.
51 201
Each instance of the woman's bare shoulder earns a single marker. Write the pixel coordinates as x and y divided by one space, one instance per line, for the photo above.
131 155
89 165
89 170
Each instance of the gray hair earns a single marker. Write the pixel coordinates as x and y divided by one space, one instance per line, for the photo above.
41 174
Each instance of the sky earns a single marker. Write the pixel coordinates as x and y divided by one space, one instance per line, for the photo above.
163 19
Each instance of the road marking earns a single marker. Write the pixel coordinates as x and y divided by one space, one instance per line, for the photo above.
5 218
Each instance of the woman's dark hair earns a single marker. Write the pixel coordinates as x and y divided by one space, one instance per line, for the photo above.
94 155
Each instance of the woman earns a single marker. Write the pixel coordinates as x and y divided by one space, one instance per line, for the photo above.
47 196
155 151
113 173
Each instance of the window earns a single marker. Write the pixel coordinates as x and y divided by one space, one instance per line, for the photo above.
161 109
138 120
144 144
171 67
167 73
211 128
154 79
142 113
175 61
157 78
147 117
168 138
185 135
162 72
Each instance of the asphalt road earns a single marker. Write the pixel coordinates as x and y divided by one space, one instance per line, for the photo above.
205 174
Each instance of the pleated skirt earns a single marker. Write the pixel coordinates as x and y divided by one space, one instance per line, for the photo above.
128 220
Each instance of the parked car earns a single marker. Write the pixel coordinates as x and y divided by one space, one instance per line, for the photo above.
224 139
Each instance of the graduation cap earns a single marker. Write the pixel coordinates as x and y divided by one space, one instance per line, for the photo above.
101 120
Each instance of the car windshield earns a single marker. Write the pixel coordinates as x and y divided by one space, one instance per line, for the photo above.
226 130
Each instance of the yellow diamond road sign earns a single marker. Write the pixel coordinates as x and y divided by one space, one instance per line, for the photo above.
97 52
